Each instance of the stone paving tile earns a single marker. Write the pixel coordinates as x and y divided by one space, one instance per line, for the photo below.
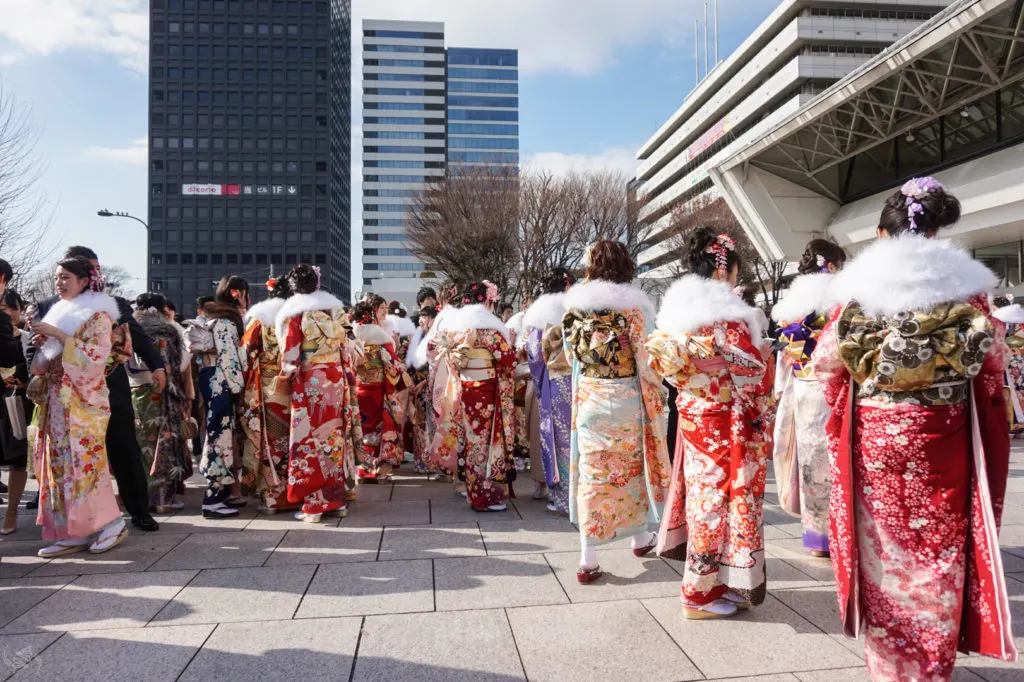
18 557
388 514
286 521
433 542
18 651
138 552
784 677
372 493
238 594
421 489
190 520
320 547
274 650
420 647
574 642
819 606
456 510
861 675
221 550
776 640
151 654
535 510
794 554
370 588
493 582
529 537
18 595
113 600
625 576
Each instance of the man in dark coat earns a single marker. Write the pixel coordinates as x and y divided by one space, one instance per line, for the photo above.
123 451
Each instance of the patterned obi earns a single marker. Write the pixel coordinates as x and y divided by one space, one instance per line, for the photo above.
478 365
371 371
918 358
315 353
554 353
801 338
596 340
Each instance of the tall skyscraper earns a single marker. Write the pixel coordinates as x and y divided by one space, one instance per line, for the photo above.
250 161
426 112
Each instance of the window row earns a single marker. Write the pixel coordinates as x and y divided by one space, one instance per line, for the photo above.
277 7
394 267
235 97
374 149
400 193
384 222
383 237
246 236
409 77
404 92
401 135
403 63
235 259
187 166
261 143
483 57
179 27
484 87
173 73
373 163
415 35
481 115
482 101
236 212
173 120
482 129
403 106
403 178
385 208
483 143
483 157
416 49
278 53
387 252
403 121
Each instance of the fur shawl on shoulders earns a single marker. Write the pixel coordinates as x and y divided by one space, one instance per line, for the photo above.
265 311
693 302
304 303
597 295
910 273
547 310
373 333
402 326
69 316
474 316
807 294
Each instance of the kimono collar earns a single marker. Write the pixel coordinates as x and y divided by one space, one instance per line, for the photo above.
546 311
910 273
597 295
304 303
402 326
265 311
69 316
807 294
693 302
475 316
373 333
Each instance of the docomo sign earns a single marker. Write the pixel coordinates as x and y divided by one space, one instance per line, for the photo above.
211 190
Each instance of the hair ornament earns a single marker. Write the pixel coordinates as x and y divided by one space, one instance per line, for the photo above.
97 282
236 294
822 263
316 269
720 248
492 292
271 283
915 190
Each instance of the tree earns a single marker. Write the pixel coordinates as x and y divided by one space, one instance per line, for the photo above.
38 284
25 218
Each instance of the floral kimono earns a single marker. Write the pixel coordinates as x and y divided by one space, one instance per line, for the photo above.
1013 317
76 496
325 432
221 382
801 449
266 408
159 415
552 378
912 367
428 354
619 469
380 386
475 437
705 346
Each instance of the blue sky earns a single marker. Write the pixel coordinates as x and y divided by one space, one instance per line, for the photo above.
597 78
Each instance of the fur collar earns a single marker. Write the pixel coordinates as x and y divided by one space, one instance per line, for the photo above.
265 311
373 333
402 326
597 295
69 316
546 311
807 294
420 357
304 303
475 316
516 323
1010 314
693 302
910 273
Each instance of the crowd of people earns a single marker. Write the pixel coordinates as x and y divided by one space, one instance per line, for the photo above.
880 391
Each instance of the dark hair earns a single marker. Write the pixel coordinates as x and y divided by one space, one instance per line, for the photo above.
230 283
475 293
81 252
748 296
374 301
558 281
304 279
365 312
702 262
77 266
151 300
610 260
505 306
1000 301
938 209
201 301
428 311
12 299
425 293
5 271
830 251
282 288
396 308
169 305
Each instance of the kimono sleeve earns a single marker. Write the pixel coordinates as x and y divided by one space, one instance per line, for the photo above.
503 352
743 360
291 346
638 331
225 342
85 355
535 354
832 374
667 358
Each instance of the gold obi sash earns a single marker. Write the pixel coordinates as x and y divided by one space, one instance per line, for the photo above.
479 365
315 354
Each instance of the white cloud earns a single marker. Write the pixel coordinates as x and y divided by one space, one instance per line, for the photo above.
119 28
617 159
135 154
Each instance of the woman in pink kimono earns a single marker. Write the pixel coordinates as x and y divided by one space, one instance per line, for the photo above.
912 366
76 497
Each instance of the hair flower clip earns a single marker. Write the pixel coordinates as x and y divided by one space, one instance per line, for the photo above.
492 292
721 247
915 190
271 283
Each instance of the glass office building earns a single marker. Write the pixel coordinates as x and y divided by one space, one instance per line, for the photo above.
250 137
483 107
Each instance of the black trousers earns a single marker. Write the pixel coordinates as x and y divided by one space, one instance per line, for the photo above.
673 422
123 451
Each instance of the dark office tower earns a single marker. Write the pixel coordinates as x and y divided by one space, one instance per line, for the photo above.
249 142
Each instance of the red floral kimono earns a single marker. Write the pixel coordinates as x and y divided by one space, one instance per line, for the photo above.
705 346
428 353
265 407
912 367
380 385
325 427
475 437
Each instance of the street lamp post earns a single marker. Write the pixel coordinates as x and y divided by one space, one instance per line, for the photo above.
104 213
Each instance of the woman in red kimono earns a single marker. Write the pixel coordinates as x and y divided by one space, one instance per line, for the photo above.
265 412
709 346
379 381
912 367
324 415
476 436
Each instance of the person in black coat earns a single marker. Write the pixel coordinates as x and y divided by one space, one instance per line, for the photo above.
123 451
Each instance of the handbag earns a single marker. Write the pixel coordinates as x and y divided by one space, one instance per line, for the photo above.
189 428
37 388
16 415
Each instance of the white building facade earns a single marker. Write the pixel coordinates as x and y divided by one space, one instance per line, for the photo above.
799 51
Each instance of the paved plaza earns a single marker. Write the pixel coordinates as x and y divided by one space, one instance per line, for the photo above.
415 586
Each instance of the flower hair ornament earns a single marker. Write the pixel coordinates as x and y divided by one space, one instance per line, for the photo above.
492 292
720 248
367 317
915 190
271 283
822 263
